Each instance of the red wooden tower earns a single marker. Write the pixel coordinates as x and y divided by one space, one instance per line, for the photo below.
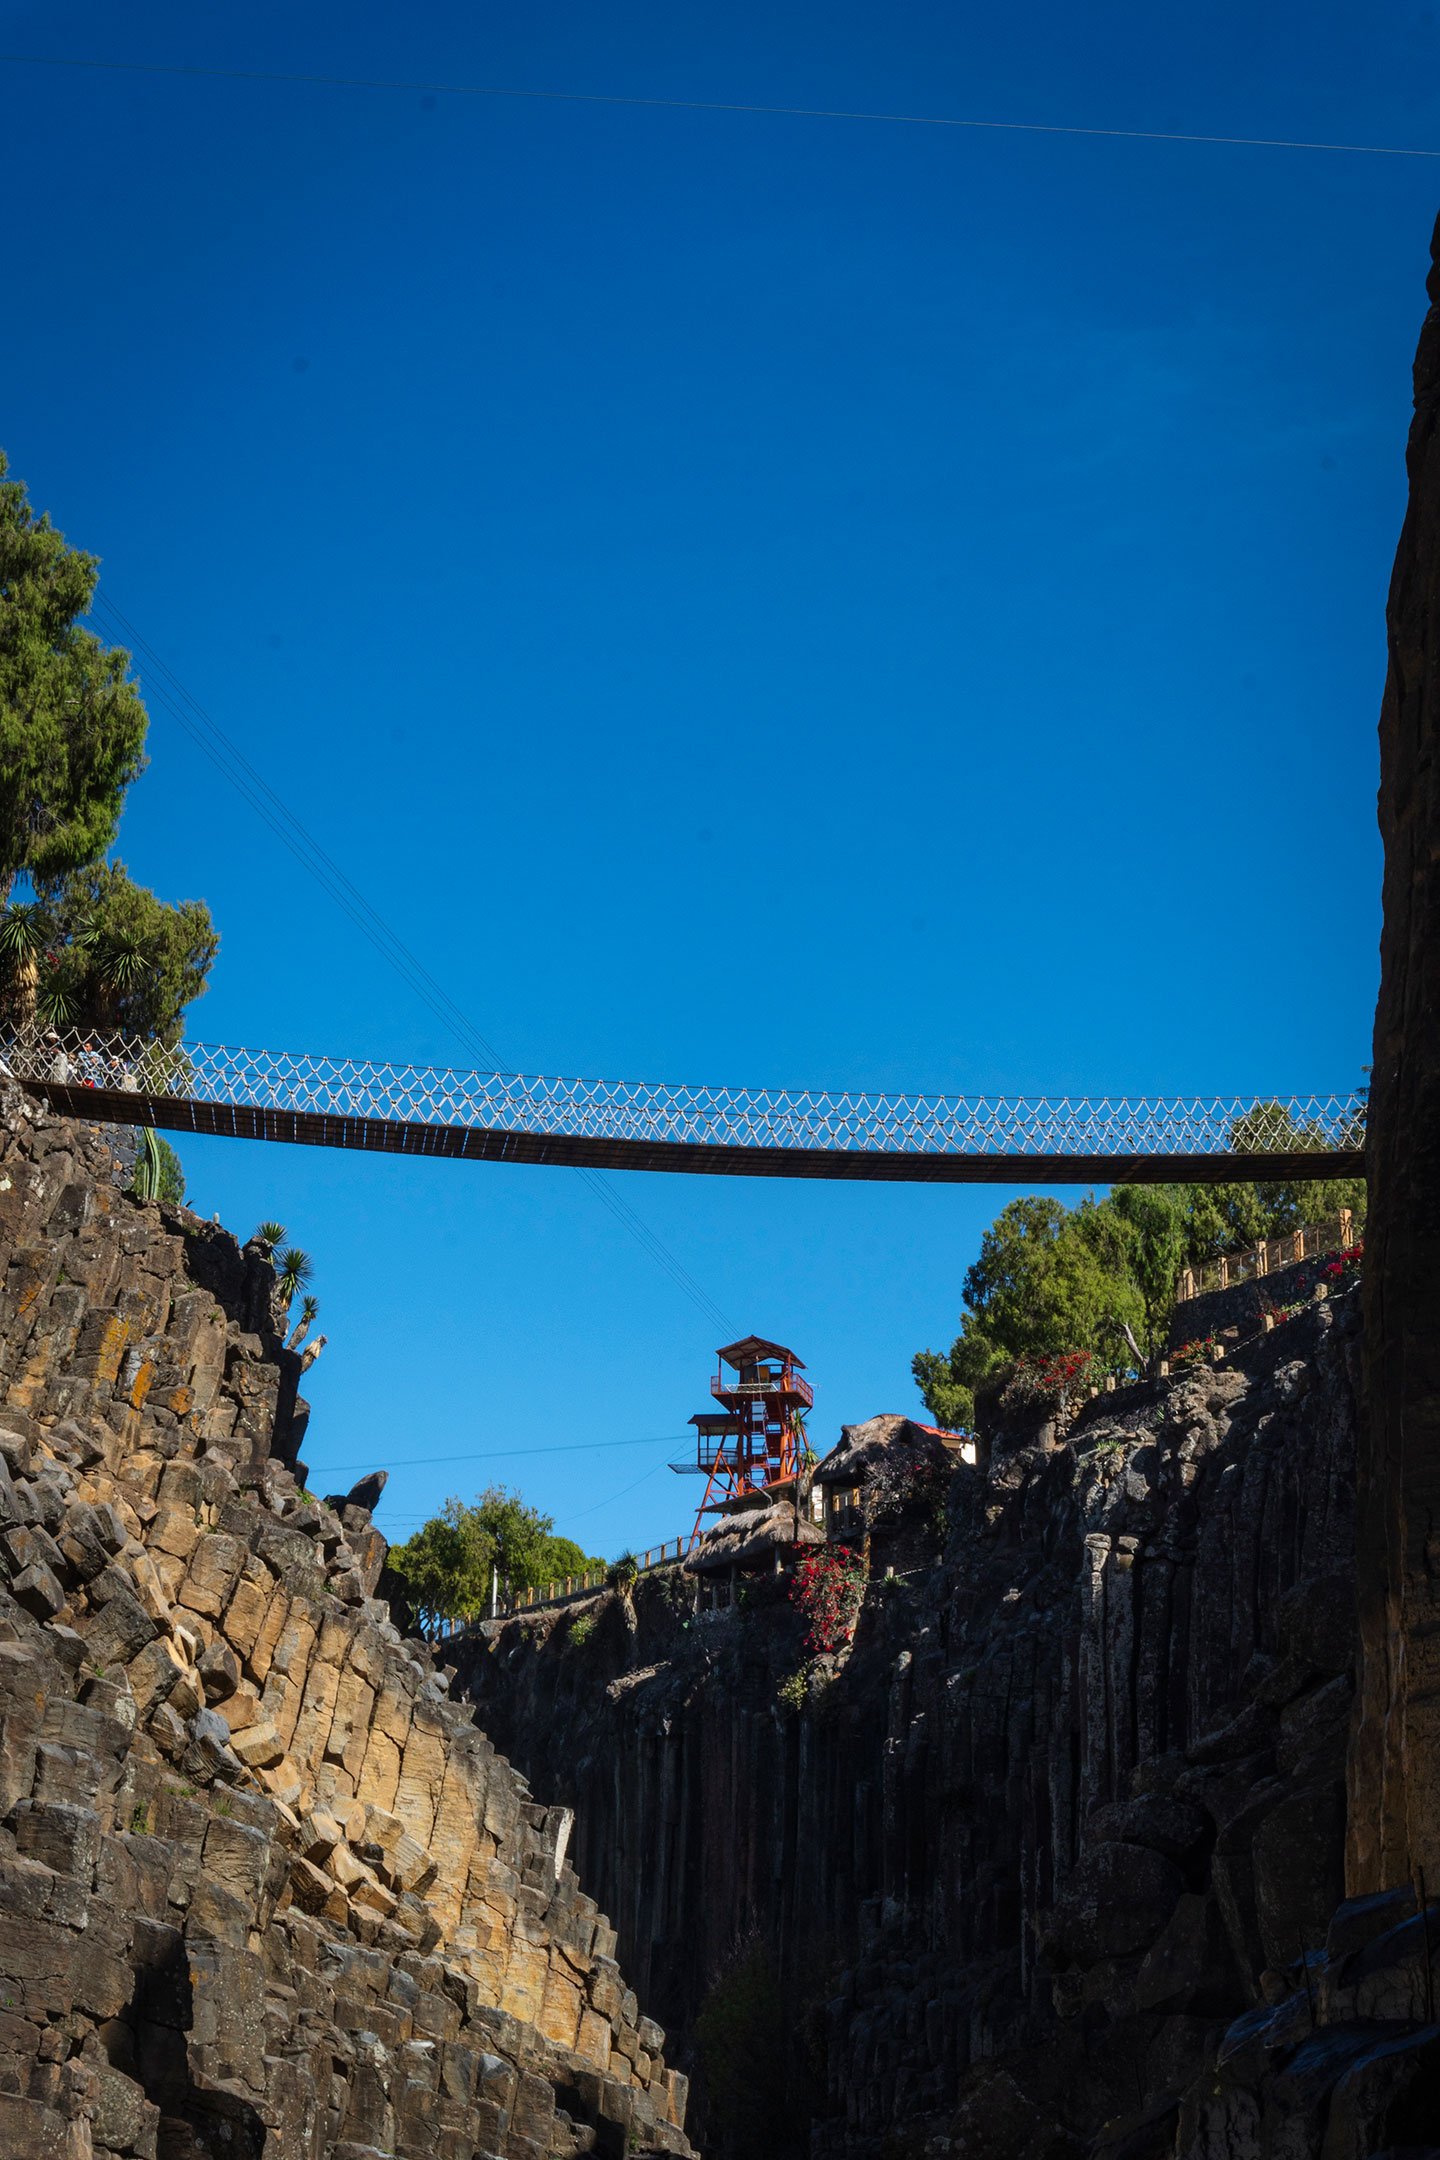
756 1439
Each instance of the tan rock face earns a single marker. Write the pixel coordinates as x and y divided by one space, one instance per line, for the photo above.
270 1789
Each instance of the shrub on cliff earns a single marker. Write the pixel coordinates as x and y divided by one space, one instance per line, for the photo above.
751 2100
828 1587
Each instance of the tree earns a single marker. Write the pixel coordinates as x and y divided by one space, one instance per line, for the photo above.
443 1568
72 727
1155 1225
1101 1276
268 1235
117 960
559 1557
1227 1218
447 1565
1048 1279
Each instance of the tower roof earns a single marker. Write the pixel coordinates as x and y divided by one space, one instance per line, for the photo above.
755 1346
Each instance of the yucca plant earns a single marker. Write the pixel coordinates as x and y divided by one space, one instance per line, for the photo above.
119 962
308 1309
58 1001
269 1234
23 931
293 1269
623 1574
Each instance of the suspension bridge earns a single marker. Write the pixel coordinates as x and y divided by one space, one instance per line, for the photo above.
319 1101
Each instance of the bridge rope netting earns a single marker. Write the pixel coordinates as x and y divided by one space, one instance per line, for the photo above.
619 1124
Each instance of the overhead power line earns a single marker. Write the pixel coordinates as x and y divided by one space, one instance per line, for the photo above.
716 105
572 1447
164 687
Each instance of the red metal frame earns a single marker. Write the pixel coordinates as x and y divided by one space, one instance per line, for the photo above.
758 1438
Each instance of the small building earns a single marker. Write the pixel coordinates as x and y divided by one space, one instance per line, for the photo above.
882 1470
758 1533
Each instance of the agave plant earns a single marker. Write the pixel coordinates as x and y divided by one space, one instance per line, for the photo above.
269 1234
293 1269
309 1307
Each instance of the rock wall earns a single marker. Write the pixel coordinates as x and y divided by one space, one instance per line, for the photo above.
1035 1870
264 1889
1395 1775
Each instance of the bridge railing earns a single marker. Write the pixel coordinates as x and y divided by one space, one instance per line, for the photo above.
420 1099
1271 1253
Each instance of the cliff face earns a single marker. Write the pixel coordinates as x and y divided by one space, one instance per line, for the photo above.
1395 1813
264 1890
1073 1807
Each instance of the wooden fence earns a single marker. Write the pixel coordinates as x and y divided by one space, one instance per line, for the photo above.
572 1586
1266 1257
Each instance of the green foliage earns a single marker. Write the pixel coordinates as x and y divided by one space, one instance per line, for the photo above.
623 1574
72 727
1048 1279
742 2037
793 1691
98 952
561 1556
446 1565
581 1628
270 1235
158 1175
1051 1280
293 1269
23 933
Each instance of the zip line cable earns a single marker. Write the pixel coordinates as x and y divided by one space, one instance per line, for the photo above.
223 753
716 105
269 806
579 1514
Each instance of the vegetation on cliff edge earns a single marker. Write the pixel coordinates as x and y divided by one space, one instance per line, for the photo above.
1099 1277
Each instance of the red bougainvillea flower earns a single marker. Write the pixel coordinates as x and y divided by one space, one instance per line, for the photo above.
828 1588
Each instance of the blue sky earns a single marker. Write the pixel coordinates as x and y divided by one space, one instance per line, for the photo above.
761 599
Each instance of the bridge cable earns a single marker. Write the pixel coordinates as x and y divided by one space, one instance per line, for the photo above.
225 755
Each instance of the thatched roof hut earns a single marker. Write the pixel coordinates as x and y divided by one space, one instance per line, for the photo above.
752 1536
863 1447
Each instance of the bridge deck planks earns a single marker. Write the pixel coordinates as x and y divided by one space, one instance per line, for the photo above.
489 1144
